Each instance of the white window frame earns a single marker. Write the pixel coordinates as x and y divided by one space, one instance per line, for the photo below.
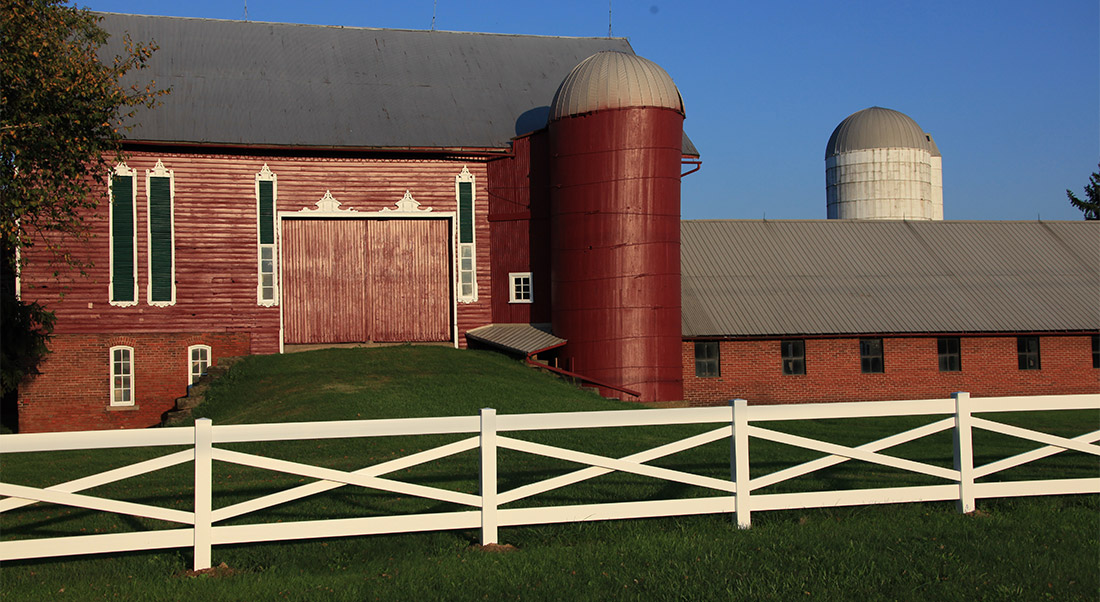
159 171
120 170
116 374
192 363
514 278
265 175
466 250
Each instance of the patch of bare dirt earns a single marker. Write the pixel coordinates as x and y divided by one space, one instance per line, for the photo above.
498 548
222 570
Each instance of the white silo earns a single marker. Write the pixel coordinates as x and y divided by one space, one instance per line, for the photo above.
879 164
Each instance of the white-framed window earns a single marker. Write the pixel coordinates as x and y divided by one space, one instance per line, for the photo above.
519 290
198 361
122 194
467 255
160 190
267 279
122 376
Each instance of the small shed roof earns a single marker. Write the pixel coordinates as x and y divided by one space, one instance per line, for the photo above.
820 277
517 338
284 85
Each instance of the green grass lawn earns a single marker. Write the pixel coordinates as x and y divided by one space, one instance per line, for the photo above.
1018 549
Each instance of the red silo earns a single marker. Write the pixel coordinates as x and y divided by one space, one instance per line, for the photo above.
616 126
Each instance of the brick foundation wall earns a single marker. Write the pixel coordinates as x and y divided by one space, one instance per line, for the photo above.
752 370
73 391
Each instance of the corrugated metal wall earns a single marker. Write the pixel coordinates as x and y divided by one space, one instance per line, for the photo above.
357 280
615 243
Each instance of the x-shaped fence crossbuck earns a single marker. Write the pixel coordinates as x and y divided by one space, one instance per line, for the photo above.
201 532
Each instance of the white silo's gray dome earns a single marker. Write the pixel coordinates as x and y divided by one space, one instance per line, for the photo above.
879 164
614 80
877 127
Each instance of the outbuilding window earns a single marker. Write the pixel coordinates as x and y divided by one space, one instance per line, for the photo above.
123 236
159 185
1027 353
794 356
198 360
122 376
1096 351
707 359
870 356
520 291
950 355
267 288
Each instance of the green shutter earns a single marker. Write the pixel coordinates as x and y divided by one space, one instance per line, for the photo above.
122 238
160 239
267 213
465 212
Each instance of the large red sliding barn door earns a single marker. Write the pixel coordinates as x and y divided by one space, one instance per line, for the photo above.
350 281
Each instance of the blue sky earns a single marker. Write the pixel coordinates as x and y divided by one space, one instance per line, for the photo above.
1010 90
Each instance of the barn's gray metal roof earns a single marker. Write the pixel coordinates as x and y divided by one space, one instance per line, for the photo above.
518 338
757 278
284 85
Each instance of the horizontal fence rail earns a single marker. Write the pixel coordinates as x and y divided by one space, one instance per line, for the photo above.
198 528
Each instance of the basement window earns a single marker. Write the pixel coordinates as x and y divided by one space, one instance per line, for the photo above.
198 359
870 356
794 356
520 290
159 188
122 376
707 359
1027 353
267 280
122 190
950 354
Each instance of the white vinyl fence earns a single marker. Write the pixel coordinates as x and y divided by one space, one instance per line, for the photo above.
489 432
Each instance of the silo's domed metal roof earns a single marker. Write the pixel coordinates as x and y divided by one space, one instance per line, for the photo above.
877 127
614 80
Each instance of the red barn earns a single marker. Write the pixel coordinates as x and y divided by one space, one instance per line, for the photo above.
308 185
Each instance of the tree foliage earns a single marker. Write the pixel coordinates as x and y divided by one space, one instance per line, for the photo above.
1091 205
61 128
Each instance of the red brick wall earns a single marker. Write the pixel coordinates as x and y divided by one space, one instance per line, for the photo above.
752 370
73 391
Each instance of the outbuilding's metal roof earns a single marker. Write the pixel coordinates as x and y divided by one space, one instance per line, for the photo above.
518 338
284 85
769 278
614 80
876 127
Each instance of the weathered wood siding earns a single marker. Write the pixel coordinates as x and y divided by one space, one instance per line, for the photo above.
215 219
410 279
326 289
354 280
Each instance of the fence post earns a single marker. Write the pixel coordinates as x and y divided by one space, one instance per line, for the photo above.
488 476
204 438
964 452
739 462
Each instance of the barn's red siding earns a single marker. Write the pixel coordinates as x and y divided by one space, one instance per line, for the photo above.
73 391
215 224
519 196
752 370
